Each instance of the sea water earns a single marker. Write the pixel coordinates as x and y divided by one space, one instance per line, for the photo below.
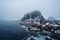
11 30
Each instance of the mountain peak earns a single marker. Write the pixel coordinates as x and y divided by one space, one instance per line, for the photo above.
33 15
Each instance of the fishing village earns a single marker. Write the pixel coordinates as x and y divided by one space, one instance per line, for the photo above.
49 29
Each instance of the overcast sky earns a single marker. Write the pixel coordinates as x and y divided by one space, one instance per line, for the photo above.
15 9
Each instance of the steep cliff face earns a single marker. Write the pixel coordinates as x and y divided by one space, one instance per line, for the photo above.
33 15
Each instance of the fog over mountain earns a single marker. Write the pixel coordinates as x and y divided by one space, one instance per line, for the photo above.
15 9
33 15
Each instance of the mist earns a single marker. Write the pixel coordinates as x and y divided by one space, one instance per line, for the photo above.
15 9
